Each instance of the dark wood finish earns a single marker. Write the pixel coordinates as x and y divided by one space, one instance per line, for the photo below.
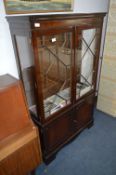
63 130
84 112
56 25
62 126
53 21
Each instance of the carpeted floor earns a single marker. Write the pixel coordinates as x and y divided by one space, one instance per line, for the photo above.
93 152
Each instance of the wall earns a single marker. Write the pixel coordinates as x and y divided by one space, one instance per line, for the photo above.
107 90
89 6
7 58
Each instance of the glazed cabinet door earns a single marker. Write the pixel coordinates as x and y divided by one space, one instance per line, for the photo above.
25 60
87 58
53 60
83 113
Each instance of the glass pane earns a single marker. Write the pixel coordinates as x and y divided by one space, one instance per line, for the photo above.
85 61
54 55
26 59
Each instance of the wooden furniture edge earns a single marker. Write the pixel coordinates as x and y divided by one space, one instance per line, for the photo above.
15 141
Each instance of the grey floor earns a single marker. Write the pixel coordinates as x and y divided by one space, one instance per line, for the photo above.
93 152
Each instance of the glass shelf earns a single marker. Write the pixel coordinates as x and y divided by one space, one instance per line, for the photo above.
56 102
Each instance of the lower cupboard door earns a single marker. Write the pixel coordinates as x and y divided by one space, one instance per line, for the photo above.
84 113
57 132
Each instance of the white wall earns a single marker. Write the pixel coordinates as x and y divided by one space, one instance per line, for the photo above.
7 58
90 6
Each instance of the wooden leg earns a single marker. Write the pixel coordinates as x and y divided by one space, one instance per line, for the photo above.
50 159
90 124
32 172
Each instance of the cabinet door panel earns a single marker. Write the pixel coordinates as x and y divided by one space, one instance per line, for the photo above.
87 55
54 65
58 131
84 112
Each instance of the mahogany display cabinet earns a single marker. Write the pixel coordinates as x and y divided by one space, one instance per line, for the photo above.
58 58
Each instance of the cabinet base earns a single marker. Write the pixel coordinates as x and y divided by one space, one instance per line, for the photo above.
53 156
90 124
50 159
